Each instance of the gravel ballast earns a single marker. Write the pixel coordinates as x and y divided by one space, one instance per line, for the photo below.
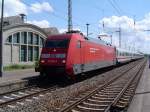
57 99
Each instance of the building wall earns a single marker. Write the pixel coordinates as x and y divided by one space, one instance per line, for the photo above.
7 54
12 51
15 54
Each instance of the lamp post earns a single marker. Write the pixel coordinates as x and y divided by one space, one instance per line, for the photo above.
1 40
70 27
111 39
87 29
119 31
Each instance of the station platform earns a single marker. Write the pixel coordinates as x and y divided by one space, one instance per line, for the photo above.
141 99
12 76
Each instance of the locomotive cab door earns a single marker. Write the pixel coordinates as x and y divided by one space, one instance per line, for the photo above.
79 67
82 56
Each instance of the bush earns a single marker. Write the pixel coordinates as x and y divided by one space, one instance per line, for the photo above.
17 66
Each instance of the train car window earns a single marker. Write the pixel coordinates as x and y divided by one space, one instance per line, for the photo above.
120 54
57 43
79 44
117 52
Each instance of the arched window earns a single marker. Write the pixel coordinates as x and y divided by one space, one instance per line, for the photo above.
30 37
9 39
16 37
30 53
23 53
35 39
41 42
36 53
23 37
28 43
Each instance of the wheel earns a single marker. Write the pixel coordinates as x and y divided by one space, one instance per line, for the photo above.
42 75
69 79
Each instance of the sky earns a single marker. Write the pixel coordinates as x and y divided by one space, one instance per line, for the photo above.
132 16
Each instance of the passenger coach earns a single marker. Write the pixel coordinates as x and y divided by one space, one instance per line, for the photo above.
124 55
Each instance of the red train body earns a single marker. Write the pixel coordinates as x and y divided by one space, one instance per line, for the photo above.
72 54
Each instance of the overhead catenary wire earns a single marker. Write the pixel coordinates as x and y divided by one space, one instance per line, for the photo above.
117 6
64 18
80 22
114 6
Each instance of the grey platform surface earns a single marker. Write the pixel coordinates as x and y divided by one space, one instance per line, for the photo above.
141 100
12 76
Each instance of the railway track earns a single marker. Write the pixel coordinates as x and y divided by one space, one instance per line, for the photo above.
19 97
112 96
12 98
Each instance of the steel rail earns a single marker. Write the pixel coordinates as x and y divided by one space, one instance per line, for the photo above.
124 89
135 85
66 109
17 90
26 96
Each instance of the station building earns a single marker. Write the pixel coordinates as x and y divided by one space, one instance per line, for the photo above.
22 42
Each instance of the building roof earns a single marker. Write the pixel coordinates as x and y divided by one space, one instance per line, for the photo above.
12 20
24 25
17 21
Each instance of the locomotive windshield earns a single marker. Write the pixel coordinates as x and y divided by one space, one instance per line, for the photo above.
57 43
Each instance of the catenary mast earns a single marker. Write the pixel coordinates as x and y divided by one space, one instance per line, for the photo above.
70 27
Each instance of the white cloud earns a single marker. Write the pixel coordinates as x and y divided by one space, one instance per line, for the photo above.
63 30
115 22
131 36
13 7
42 23
39 7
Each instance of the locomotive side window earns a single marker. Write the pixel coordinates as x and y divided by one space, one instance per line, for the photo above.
57 43
79 44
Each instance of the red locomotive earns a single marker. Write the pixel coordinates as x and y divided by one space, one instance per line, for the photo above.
74 54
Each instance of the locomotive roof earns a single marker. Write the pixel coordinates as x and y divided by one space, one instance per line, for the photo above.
68 36
98 41
60 36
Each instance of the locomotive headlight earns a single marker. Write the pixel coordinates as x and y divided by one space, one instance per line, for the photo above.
42 61
63 61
